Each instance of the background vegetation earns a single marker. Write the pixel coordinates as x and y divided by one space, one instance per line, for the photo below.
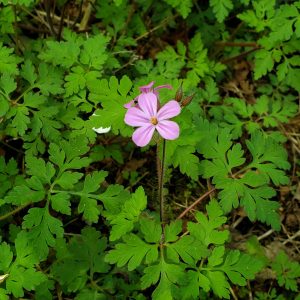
79 216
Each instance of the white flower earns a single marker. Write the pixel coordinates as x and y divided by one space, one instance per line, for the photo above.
3 277
102 129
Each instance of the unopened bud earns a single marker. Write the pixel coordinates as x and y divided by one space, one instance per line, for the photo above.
179 93
186 101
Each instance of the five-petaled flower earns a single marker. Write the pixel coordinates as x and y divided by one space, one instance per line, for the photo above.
148 117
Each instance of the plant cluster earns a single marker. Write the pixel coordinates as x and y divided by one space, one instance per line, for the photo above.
80 220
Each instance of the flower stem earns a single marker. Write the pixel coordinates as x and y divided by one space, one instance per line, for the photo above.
161 173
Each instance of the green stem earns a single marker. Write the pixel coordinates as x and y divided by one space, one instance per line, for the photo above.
16 210
75 193
23 94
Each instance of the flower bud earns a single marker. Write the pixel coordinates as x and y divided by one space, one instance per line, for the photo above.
186 101
179 93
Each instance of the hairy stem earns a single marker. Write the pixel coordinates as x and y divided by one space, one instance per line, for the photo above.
161 173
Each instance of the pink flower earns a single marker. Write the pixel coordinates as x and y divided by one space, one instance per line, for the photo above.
146 89
148 118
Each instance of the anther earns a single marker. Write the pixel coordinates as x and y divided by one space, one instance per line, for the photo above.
153 121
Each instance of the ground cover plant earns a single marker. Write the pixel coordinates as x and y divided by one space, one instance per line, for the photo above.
149 149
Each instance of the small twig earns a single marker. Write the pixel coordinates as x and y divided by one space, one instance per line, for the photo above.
11 147
266 234
16 210
79 15
164 22
49 19
34 29
137 181
37 18
233 294
132 59
195 203
290 239
86 16
250 291
237 222
227 60
54 17
61 23
237 44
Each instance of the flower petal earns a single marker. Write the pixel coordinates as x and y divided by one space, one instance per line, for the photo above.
169 130
164 86
142 136
136 117
102 129
169 110
129 104
148 104
146 88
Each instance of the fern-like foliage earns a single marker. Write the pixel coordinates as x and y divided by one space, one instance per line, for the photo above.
181 265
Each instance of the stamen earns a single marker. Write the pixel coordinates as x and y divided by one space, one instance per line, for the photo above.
153 121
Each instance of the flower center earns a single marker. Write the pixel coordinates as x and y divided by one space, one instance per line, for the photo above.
153 121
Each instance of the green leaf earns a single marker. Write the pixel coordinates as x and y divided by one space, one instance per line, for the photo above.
8 61
63 54
28 72
183 7
113 200
92 58
266 150
21 120
61 203
198 59
252 190
129 215
263 63
39 168
68 179
219 284
205 230
172 231
21 278
112 95
221 8
188 162
42 229
44 291
26 255
75 81
151 229
88 202
7 18
169 275
22 274
83 255
132 252
190 249
287 271
240 267
6 256
31 191
7 84
49 80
